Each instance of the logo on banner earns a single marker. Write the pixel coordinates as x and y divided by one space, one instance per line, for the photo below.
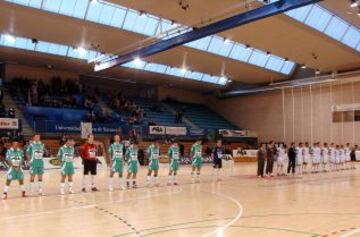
178 131
232 133
157 130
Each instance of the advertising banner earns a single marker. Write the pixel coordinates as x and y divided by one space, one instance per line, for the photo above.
9 123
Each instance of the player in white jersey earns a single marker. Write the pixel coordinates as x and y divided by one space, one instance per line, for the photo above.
342 157
306 157
347 150
325 156
299 158
337 157
332 154
316 157
281 156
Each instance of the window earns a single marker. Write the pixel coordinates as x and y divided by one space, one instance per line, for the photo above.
258 58
318 18
336 28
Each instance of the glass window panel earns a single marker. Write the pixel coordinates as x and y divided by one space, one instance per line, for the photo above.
201 44
80 8
51 5
74 53
288 67
218 46
20 43
352 37
42 46
35 3
258 58
154 67
336 28
118 17
130 20
275 63
196 75
30 45
67 7
318 18
94 11
209 78
176 72
240 52
299 13
358 47
22 2
106 14
62 50
91 54
53 49
164 26
151 26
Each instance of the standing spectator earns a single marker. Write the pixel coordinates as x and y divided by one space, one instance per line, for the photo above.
270 155
292 158
261 155
11 113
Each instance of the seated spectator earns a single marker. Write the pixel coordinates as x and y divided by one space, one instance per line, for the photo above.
11 113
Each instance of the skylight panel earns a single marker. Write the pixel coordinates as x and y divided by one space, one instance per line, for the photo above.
240 52
288 67
351 37
318 18
201 44
94 11
118 17
34 3
300 14
336 28
219 46
258 58
52 5
67 7
80 8
275 63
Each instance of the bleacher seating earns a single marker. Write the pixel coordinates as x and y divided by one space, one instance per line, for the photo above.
201 115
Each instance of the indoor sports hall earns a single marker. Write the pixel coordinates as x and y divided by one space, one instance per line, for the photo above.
186 118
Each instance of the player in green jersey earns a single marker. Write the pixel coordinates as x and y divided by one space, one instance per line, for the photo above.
35 154
174 159
153 154
196 154
66 155
131 156
15 159
116 152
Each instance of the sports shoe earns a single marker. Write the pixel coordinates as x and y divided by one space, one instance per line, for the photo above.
83 190
94 189
4 196
24 194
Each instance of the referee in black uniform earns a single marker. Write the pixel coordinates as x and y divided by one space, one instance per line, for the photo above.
217 155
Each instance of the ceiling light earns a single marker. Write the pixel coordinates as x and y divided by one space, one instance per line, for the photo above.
81 51
303 66
183 70
10 39
317 72
354 3
137 61
226 41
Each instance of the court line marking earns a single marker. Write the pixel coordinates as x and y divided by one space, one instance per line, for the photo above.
147 196
350 233
165 228
235 219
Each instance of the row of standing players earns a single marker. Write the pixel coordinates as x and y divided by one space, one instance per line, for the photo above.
119 158
320 158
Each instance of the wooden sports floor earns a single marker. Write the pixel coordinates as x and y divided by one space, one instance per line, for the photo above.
326 204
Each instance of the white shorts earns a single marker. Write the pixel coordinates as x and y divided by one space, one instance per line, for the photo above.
299 161
324 159
316 160
280 162
306 160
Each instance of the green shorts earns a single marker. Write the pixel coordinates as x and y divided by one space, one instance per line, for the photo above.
117 166
154 165
133 166
67 168
174 165
15 174
37 167
197 162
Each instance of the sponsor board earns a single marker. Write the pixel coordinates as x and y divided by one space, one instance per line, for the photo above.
177 131
236 133
196 132
157 130
9 123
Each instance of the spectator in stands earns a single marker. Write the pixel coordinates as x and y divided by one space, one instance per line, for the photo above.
11 113
261 156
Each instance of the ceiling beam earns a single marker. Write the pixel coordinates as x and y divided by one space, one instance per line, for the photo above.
211 29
